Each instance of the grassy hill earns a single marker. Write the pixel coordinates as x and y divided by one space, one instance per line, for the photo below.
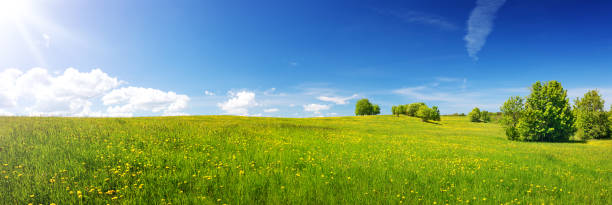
246 160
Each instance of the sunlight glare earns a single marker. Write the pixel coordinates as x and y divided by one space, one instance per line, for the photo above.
13 9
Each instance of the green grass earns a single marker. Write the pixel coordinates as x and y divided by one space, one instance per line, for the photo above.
240 160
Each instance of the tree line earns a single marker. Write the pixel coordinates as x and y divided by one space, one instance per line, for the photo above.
546 115
420 110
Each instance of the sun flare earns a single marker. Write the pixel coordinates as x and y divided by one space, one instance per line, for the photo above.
14 9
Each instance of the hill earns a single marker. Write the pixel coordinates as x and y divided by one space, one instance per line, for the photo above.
238 160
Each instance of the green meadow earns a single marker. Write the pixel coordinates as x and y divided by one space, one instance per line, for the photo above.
250 160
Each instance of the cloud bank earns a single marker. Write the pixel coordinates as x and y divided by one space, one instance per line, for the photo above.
37 92
480 25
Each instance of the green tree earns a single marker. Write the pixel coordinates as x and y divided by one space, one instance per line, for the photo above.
394 111
591 119
375 110
512 111
402 109
363 107
425 113
435 113
485 116
548 115
413 108
474 115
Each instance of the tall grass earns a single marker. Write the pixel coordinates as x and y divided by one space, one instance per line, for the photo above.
239 160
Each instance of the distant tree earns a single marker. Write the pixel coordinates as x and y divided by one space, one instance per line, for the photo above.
394 111
425 113
512 111
413 108
548 115
485 116
375 110
474 115
435 113
363 107
591 119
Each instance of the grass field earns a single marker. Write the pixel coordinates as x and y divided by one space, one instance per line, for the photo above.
247 160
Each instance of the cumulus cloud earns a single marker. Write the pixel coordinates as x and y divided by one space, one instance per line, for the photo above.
316 108
271 110
127 100
37 92
239 103
337 100
480 25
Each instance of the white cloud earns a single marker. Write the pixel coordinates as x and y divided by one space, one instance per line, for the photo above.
37 92
208 93
337 100
239 103
316 108
132 99
480 25
271 110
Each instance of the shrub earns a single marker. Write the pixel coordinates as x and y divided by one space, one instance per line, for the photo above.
511 113
548 115
591 119
474 115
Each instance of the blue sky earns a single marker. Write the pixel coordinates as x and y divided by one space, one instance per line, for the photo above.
293 58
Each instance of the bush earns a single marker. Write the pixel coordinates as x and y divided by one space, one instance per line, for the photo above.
591 119
548 115
474 115
364 107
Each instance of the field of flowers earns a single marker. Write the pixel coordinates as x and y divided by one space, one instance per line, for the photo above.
248 160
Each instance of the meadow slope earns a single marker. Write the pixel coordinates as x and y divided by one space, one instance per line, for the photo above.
249 160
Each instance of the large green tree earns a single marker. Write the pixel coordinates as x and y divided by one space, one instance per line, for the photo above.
364 107
375 110
591 119
548 115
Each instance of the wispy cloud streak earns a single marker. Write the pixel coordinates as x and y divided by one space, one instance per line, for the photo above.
480 25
